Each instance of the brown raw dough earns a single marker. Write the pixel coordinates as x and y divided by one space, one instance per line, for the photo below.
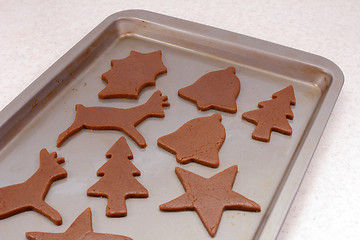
130 75
107 118
272 115
217 90
30 194
198 140
118 183
80 229
209 197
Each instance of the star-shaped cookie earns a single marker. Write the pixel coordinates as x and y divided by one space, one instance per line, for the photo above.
80 229
209 197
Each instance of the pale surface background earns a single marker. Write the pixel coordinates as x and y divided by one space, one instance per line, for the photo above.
34 34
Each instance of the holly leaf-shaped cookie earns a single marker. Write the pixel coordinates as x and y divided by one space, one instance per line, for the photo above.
130 75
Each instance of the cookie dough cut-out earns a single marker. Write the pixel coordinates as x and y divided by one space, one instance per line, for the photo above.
273 115
198 140
129 76
215 90
118 180
80 229
209 197
107 118
30 194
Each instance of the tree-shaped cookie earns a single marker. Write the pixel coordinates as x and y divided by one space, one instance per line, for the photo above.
30 195
217 90
107 118
209 197
80 229
272 115
198 140
130 75
118 180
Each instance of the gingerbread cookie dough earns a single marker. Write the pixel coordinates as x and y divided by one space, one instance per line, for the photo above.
209 197
198 140
118 181
80 229
217 90
273 115
130 75
107 118
30 195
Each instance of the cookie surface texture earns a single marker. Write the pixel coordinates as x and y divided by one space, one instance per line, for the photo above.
215 90
30 194
108 118
209 197
80 229
198 140
118 181
273 115
129 76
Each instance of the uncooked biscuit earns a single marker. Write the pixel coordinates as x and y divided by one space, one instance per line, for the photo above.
198 140
209 197
217 90
130 75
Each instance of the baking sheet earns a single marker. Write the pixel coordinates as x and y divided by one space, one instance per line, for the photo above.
269 173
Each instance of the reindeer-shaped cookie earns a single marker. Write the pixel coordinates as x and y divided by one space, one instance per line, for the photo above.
108 118
30 195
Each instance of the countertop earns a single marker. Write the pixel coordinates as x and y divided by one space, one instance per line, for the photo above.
34 34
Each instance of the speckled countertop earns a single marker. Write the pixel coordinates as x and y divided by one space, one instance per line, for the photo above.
34 34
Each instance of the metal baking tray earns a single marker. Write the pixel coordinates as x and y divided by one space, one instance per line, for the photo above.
269 173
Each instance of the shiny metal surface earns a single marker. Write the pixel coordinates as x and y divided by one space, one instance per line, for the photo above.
269 173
